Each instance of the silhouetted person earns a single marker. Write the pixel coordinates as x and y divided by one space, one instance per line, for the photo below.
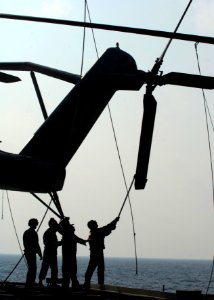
69 252
96 243
31 248
50 253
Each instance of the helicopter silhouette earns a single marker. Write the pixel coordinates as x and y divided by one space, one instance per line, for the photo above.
40 167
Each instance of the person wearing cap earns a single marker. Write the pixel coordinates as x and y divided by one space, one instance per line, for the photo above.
51 244
69 254
96 243
31 249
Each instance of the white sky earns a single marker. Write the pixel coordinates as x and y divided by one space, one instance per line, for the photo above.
174 214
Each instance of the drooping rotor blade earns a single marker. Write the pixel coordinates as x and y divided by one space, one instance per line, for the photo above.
8 78
190 80
29 66
147 128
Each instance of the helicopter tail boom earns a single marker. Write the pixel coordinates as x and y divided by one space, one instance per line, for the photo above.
62 133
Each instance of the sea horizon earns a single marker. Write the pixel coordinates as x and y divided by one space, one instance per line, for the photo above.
130 257
145 273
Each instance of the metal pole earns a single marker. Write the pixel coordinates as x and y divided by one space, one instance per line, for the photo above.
46 205
39 96
126 196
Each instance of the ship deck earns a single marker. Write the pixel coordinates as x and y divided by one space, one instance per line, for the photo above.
17 291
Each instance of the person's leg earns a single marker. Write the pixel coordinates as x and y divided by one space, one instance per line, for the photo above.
54 269
31 273
101 269
73 273
43 270
90 270
65 272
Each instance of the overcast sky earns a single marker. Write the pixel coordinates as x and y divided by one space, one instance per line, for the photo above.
173 215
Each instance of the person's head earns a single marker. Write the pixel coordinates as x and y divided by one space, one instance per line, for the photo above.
92 225
33 223
65 222
52 223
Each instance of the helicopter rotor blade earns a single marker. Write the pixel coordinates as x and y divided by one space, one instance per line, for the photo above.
28 66
189 80
147 128
6 78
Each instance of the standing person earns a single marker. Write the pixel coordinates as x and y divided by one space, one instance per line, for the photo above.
96 243
31 248
50 253
69 254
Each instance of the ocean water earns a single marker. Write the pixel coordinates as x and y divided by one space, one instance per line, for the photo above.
153 274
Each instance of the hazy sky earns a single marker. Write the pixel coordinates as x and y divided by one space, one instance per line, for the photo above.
174 214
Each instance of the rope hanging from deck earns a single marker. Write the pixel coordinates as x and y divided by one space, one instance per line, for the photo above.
14 226
207 114
119 157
